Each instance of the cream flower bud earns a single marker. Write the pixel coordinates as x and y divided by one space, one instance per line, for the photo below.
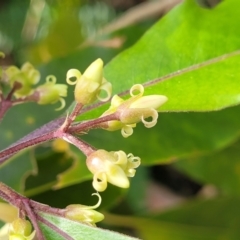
50 92
112 167
90 84
84 213
133 110
21 229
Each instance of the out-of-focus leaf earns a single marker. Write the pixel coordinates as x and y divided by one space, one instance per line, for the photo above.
15 171
77 173
64 32
22 119
79 231
135 198
49 166
220 168
12 17
200 220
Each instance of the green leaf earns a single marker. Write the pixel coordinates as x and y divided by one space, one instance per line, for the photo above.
201 220
78 231
22 119
187 58
49 165
220 168
15 171
77 173
12 17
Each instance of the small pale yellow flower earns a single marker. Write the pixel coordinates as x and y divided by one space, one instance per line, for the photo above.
27 76
50 92
84 213
112 167
90 83
133 110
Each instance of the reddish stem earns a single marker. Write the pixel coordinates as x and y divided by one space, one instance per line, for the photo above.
32 209
11 150
4 107
33 217
71 117
80 144
94 123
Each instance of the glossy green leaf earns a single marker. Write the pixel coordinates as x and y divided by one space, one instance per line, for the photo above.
179 41
188 59
79 231
201 220
220 168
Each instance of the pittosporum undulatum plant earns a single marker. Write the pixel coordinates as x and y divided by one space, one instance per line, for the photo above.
108 167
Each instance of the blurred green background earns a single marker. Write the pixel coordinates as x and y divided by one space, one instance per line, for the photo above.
188 185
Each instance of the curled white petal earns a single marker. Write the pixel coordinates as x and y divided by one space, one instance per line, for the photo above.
127 131
154 116
121 157
100 181
87 207
107 88
63 104
73 74
137 87
134 161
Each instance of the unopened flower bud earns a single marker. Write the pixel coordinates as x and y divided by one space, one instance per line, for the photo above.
84 213
50 92
21 229
112 167
90 84
133 110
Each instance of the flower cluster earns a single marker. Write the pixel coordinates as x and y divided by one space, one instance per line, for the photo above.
89 84
24 81
21 229
26 77
133 110
112 167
